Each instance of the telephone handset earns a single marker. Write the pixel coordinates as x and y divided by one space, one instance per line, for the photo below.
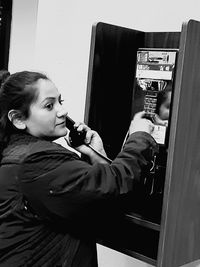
77 138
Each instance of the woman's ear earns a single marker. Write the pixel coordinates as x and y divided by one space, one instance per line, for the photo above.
17 119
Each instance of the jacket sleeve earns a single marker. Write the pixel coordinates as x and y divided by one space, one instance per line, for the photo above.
60 186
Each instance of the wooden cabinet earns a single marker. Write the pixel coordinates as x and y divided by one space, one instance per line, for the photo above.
165 233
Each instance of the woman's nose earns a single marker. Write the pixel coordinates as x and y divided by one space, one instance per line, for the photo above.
62 111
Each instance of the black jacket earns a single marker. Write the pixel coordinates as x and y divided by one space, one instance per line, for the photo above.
50 199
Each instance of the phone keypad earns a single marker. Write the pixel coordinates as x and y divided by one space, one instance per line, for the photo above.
150 105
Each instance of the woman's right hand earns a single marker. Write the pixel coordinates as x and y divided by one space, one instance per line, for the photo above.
139 123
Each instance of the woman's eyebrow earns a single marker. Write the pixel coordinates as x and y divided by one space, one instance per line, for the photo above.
51 98
48 99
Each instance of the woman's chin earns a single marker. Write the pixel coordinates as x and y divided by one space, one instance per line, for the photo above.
62 132
57 134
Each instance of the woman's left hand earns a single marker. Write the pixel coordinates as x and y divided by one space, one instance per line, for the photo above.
92 139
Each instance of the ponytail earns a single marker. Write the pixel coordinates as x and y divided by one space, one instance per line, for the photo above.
4 74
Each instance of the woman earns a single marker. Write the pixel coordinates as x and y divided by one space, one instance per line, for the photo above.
50 198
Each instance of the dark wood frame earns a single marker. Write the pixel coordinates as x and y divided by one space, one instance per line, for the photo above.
174 241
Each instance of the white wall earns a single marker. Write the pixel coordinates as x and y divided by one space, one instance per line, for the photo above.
23 35
54 37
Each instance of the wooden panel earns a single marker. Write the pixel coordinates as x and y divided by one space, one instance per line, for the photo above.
162 39
110 82
109 98
180 225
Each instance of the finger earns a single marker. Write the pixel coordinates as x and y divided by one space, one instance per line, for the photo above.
158 120
77 125
89 136
139 114
81 127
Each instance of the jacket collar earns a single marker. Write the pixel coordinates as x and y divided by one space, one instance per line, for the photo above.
18 147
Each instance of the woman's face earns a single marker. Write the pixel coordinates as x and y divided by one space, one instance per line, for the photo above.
47 116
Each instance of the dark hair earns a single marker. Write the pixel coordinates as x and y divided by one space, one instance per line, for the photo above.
17 92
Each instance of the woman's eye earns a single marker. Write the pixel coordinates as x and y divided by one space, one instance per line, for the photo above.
49 106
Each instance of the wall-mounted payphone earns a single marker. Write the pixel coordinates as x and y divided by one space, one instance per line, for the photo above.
153 89
121 81
155 75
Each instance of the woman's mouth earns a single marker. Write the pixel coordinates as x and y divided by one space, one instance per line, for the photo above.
61 123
